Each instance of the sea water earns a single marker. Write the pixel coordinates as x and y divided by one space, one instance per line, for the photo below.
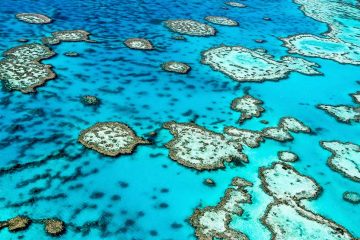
158 195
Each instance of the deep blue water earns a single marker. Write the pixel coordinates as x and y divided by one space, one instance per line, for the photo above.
133 89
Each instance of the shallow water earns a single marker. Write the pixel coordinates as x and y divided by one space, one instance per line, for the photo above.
134 89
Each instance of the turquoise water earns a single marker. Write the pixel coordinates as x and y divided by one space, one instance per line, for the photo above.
133 89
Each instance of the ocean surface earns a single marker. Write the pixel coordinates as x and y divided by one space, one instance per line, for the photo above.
56 176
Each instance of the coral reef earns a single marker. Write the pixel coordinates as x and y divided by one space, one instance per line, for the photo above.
190 27
246 65
33 18
196 147
22 70
110 138
345 158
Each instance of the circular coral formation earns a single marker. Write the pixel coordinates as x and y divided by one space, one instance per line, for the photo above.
18 223
190 27
90 100
139 44
33 18
54 227
221 21
286 156
176 67
352 197
196 147
21 68
111 138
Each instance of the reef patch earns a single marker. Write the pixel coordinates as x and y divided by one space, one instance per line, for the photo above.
285 217
345 158
90 100
139 44
111 138
245 137
196 147
219 20
248 107
67 36
236 4
342 113
351 197
22 70
33 18
287 156
340 43
214 222
54 227
176 67
190 27
246 65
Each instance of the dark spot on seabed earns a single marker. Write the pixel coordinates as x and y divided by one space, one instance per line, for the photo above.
164 205
153 233
176 225
116 197
96 195
123 184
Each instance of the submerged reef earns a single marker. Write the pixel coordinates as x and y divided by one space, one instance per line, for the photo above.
18 223
54 227
139 44
177 67
248 106
90 100
33 18
190 27
111 138
340 43
351 197
345 158
287 156
246 65
221 20
196 147
286 217
342 113
214 222
67 36
22 70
